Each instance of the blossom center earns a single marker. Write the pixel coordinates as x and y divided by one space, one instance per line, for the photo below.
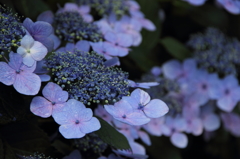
53 103
28 51
227 91
17 71
204 86
140 106
77 122
124 116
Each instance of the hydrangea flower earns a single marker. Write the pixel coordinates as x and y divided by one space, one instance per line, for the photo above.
119 43
232 6
31 50
19 75
124 112
76 120
196 2
142 85
83 10
40 31
11 31
140 102
228 93
86 77
71 27
81 45
55 98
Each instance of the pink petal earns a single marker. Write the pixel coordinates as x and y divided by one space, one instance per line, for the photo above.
7 74
179 140
89 126
41 107
27 83
155 108
197 126
134 118
71 131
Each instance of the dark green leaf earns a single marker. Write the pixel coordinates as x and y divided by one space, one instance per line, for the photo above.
61 147
175 48
30 8
111 136
6 152
25 138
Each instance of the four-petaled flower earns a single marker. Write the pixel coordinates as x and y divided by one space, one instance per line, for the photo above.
76 120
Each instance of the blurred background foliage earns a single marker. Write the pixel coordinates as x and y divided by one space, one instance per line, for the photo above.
177 21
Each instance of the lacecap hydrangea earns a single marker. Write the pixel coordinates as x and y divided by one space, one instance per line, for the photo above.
86 78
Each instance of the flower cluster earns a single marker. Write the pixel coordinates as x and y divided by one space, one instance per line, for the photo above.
11 31
71 27
106 7
216 52
86 78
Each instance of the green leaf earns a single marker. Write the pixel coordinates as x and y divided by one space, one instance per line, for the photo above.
111 136
30 8
25 138
61 147
175 48
6 152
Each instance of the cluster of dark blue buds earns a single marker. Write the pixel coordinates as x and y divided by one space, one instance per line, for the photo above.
35 156
86 78
165 86
216 52
106 7
91 142
71 27
11 31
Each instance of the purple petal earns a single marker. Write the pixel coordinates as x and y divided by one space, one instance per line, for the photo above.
111 37
84 9
211 122
134 118
28 60
124 40
112 62
70 7
7 74
139 96
172 69
41 107
41 28
26 68
70 47
226 104
46 41
71 131
156 71
89 126
145 138
83 45
28 24
15 61
55 40
147 24
179 140
155 108
27 83
197 126
46 16
44 78
54 93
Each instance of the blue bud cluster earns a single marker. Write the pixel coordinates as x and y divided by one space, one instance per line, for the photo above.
91 142
106 7
71 27
216 52
11 31
165 86
86 78
36 155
